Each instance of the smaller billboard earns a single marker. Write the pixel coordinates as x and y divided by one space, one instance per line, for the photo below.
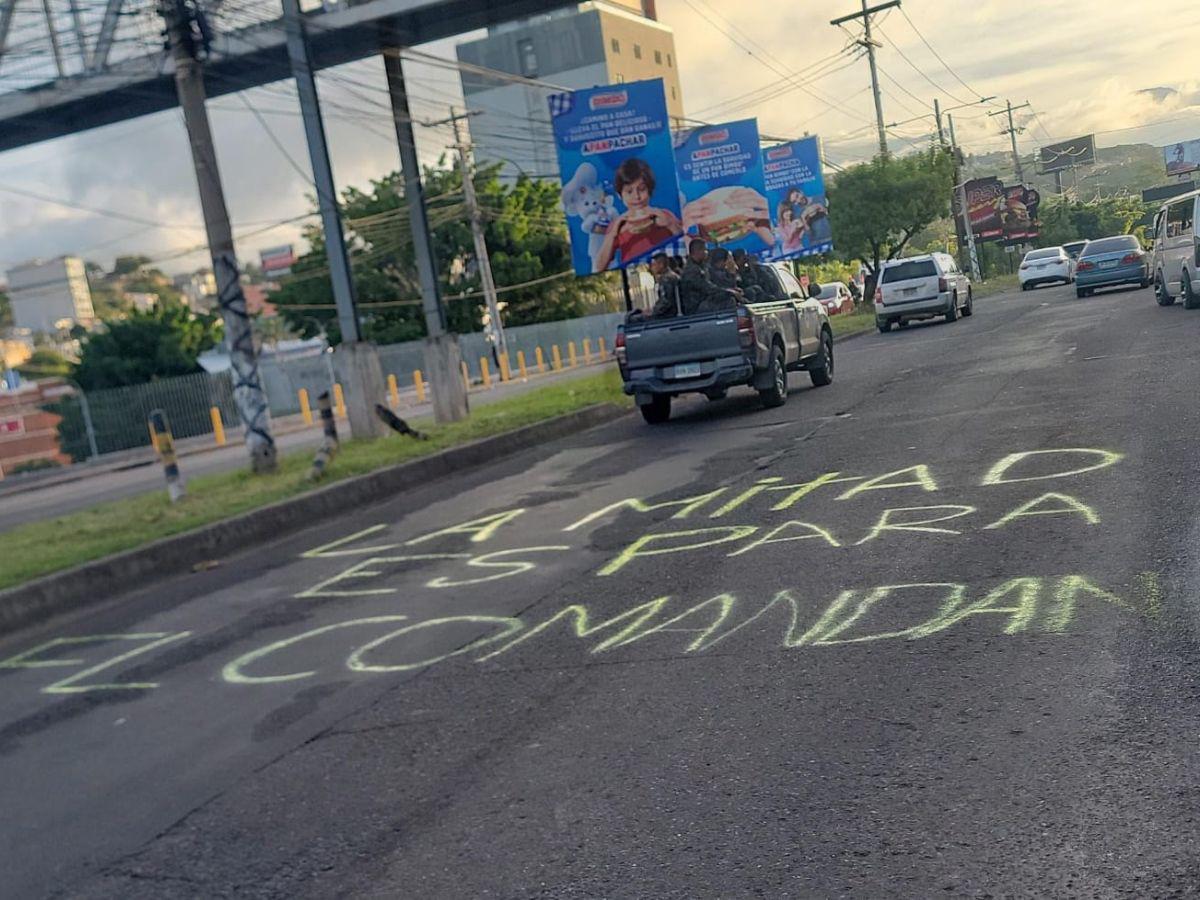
1182 158
1020 214
617 166
277 261
1080 151
721 182
985 204
796 197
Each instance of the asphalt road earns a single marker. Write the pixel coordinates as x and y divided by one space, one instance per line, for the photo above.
563 700
59 499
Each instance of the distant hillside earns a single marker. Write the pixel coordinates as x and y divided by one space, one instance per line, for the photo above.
1126 167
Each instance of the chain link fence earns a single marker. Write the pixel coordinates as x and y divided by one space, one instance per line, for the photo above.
119 415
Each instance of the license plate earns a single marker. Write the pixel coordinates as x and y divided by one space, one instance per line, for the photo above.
909 291
1108 264
687 370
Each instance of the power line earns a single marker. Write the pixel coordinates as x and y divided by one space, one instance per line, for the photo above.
945 65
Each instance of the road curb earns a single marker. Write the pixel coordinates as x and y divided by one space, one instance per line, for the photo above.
100 580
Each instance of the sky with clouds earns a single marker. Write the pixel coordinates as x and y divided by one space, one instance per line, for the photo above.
1083 67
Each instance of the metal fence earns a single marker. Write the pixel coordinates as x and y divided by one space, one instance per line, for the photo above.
283 379
119 415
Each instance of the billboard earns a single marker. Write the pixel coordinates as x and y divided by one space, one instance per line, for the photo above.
617 167
1002 213
796 199
1182 158
1080 151
277 261
985 202
1020 214
721 180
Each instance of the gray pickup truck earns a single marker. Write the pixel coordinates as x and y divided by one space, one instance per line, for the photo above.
756 344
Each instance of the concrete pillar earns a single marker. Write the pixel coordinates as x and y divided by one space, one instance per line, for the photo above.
361 377
443 370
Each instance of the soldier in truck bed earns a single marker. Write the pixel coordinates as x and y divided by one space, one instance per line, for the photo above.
697 293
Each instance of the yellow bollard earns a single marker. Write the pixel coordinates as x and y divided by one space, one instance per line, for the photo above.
541 361
484 372
218 426
340 400
466 375
394 391
305 409
556 358
505 371
419 384
603 350
521 364
587 351
571 358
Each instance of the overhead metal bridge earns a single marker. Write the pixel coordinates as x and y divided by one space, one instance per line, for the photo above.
70 65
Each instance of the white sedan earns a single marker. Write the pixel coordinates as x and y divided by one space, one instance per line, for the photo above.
1050 264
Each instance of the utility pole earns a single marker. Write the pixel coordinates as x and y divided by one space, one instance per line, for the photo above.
186 39
937 114
871 44
966 238
443 357
358 363
1011 131
466 164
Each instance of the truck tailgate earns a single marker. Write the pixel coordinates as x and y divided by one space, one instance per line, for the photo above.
688 339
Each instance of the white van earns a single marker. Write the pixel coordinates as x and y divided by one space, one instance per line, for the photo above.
921 287
1176 258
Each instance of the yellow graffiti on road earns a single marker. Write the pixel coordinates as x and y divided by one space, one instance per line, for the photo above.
70 684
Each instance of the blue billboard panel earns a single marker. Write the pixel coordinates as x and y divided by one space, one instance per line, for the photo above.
721 179
796 191
617 168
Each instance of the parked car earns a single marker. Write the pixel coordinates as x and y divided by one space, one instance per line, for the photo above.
921 287
1175 258
1045 266
835 296
1074 248
1111 261
754 344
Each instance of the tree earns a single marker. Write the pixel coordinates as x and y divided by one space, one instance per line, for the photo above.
6 313
164 342
526 238
127 265
1071 220
45 364
876 207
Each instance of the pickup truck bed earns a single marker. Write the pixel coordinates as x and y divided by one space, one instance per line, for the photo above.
754 344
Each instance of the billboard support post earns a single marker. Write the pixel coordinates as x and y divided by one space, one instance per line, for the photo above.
971 251
625 288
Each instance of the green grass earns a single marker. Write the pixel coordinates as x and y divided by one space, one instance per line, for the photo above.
995 285
50 546
852 323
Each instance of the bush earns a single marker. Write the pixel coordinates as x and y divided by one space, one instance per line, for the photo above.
35 465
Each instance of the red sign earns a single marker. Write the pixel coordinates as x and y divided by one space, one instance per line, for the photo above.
12 426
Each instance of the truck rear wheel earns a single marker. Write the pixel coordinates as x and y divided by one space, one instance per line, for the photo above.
822 373
657 410
776 394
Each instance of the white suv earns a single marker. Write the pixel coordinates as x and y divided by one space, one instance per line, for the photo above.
921 287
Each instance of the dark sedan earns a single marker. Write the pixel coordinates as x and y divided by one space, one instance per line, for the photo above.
1111 261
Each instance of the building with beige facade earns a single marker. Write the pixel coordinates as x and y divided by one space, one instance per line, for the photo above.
601 42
